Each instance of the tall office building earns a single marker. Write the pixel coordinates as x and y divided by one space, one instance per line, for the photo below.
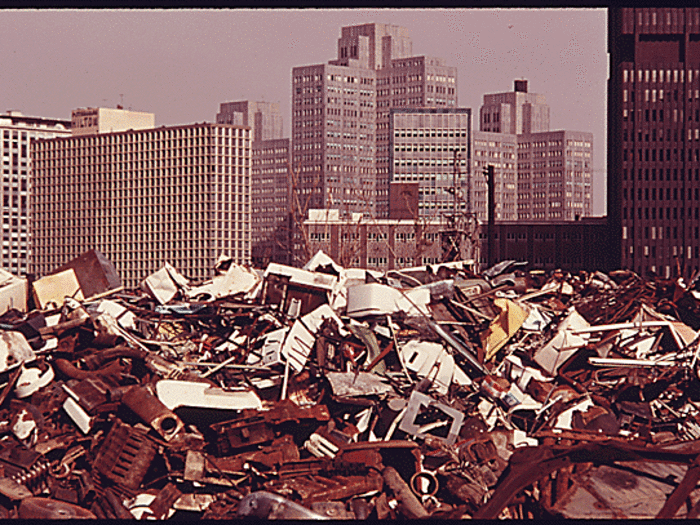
553 171
515 112
554 175
340 115
176 194
263 118
270 186
500 151
654 139
431 147
18 133
271 203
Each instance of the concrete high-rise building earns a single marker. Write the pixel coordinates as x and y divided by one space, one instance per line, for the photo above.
372 46
176 194
269 183
340 115
263 118
515 112
431 147
500 151
87 121
18 133
553 171
554 175
271 231
654 139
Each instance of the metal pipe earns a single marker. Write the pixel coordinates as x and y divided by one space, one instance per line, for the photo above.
67 368
457 346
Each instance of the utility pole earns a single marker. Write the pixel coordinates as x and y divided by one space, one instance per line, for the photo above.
489 172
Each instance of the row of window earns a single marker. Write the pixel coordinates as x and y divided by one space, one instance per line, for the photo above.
649 16
650 174
192 135
430 133
660 75
650 213
650 155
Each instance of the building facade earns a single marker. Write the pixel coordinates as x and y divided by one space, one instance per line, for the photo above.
142 198
654 139
18 133
555 170
500 151
432 147
359 241
551 244
270 203
390 244
341 140
263 118
270 185
539 174
88 121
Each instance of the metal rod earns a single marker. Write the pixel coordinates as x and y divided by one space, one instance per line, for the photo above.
220 366
285 381
207 363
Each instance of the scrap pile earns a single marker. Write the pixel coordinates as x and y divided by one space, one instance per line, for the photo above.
325 392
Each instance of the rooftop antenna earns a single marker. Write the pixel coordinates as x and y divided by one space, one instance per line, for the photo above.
121 101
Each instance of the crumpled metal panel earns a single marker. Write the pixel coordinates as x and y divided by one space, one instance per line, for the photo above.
50 509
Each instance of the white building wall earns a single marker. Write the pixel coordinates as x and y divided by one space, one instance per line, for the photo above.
17 136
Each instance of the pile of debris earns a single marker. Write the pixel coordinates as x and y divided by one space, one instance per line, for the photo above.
326 392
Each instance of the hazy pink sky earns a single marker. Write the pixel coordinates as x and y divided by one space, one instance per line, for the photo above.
181 64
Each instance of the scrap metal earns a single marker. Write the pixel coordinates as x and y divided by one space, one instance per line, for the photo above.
322 392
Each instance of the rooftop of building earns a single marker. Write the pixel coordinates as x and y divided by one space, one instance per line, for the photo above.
336 216
14 117
151 130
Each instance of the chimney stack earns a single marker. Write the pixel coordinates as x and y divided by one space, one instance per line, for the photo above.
521 86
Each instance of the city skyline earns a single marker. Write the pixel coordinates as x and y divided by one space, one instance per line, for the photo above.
182 64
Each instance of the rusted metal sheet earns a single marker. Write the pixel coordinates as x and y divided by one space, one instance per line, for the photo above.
125 455
95 273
